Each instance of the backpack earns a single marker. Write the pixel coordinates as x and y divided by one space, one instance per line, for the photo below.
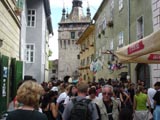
80 110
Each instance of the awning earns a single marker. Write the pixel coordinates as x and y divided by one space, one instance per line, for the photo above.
146 50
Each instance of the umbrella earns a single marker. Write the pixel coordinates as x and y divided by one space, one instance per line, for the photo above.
146 50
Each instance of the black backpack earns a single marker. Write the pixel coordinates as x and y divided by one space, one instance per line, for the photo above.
80 110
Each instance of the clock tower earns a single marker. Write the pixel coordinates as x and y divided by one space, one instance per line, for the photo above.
70 28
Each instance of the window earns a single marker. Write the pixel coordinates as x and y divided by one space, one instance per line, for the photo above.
30 53
72 35
120 5
112 4
61 43
31 18
140 29
120 39
104 24
64 44
68 42
111 10
111 45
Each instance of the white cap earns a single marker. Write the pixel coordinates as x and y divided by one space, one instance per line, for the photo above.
70 80
54 89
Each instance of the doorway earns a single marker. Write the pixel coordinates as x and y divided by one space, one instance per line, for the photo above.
143 73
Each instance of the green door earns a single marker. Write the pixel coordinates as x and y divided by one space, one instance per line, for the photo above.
19 74
12 83
3 83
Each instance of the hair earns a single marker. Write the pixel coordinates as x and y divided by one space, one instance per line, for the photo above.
82 87
107 86
29 93
92 90
157 84
70 90
47 98
139 89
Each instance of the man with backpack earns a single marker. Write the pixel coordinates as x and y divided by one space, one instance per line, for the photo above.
80 108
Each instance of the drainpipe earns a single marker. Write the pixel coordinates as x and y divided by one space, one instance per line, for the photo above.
129 35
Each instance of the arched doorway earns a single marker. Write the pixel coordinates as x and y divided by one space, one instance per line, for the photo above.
143 73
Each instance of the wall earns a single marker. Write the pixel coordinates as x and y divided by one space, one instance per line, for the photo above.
36 36
9 32
155 69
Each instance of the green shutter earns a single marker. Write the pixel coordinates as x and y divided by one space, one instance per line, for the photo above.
12 83
19 73
3 82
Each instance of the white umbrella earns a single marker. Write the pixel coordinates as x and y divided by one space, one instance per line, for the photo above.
145 50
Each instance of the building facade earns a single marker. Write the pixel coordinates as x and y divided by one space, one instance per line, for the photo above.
155 69
53 70
117 25
70 28
39 27
10 66
86 55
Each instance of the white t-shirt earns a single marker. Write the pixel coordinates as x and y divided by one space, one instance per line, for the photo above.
151 92
61 97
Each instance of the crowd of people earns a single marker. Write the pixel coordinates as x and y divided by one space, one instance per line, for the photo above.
112 100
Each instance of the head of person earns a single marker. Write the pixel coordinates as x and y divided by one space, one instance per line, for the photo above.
139 89
50 85
157 85
82 87
72 90
107 92
29 93
92 92
62 86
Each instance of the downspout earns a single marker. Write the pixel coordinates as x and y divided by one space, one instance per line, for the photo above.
129 35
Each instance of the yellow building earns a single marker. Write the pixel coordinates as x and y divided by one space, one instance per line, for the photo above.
86 55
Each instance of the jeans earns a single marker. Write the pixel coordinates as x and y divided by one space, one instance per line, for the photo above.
156 113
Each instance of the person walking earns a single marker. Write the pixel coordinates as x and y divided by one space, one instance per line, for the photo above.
48 106
28 95
156 113
80 108
108 107
139 106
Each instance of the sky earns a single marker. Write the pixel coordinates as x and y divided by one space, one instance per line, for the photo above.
56 14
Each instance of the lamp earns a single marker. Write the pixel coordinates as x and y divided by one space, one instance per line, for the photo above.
1 42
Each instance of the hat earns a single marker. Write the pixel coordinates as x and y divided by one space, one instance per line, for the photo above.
70 80
54 89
